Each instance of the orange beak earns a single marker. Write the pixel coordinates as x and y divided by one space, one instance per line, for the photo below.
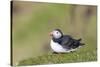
50 34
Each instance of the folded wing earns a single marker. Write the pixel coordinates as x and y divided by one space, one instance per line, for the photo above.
69 43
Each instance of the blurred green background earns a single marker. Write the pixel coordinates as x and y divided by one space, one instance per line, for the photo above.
32 22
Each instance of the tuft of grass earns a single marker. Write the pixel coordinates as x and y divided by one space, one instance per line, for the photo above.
61 58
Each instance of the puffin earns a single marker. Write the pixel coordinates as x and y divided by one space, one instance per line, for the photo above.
61 43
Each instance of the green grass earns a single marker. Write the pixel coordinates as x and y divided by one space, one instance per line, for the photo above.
61 58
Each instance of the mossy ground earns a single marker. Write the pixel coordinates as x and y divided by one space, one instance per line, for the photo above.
72 57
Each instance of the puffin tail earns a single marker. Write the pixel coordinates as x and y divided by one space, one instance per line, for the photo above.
79 39
82 44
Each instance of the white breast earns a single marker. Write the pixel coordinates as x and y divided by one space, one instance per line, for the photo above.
58 48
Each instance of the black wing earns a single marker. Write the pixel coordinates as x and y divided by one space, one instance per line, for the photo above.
68 42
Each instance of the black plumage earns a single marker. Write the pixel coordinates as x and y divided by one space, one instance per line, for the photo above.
67 41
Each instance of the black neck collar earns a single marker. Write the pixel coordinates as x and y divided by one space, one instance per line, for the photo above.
57 40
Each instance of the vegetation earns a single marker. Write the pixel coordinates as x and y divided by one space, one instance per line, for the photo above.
61 58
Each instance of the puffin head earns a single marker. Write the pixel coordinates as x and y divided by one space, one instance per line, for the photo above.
56 33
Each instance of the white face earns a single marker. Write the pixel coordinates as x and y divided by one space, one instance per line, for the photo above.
56 34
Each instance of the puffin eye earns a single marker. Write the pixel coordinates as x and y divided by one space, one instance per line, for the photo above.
57 32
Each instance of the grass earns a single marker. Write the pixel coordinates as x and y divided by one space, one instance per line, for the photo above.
61 58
